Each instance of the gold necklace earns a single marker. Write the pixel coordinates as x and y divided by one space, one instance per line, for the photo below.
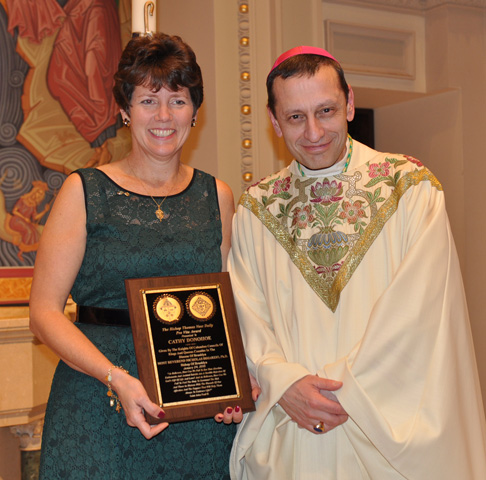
159 213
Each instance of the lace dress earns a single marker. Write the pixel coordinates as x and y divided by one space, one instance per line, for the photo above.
84 438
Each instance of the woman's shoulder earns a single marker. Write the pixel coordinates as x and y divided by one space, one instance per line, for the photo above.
196 173
222 188
224 191
95 178
200 178
88 174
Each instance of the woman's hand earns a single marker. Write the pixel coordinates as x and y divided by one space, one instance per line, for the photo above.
230 415
135 402
235 415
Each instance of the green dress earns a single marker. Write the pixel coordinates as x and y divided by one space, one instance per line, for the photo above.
83 437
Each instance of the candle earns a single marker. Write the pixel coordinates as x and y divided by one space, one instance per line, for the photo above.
138 16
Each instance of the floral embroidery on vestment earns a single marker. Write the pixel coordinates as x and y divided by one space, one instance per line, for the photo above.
327 224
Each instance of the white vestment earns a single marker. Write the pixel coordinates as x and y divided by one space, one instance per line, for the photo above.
355 277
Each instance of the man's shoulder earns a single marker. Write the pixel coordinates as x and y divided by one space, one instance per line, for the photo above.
262 185
368 156
391 170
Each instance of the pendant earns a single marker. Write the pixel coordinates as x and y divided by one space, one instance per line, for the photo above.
159 214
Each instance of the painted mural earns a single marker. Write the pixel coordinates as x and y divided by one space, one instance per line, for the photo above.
57 114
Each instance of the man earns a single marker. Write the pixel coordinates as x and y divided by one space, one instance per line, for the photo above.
351 304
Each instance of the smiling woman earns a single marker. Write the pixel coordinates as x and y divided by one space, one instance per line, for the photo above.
146 215
159 89
160 124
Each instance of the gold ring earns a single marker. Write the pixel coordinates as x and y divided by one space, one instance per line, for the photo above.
320 428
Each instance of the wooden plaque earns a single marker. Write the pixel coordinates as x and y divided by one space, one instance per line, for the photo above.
188 345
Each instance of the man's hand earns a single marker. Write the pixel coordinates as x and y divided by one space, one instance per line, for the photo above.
310 401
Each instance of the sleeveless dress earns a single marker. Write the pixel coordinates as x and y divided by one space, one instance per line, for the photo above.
83 437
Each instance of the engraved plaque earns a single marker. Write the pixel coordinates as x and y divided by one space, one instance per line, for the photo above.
188 345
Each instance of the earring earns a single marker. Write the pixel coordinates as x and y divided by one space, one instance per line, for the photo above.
193 123
126 122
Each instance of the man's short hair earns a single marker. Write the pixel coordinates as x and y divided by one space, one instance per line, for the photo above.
306 64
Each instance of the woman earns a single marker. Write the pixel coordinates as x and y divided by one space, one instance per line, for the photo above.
145 215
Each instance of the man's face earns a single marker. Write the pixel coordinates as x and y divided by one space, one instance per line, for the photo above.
311 114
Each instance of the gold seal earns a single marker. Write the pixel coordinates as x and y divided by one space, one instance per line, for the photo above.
201 306
168 308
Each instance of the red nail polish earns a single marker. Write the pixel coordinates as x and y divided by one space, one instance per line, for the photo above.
237 409
161 414
229 410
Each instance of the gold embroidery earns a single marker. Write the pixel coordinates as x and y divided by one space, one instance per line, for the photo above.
330 293
375 226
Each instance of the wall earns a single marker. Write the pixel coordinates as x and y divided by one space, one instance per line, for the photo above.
430 129
444 129
9 455
456 42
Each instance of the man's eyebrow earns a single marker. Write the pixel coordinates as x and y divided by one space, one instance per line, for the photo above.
320 106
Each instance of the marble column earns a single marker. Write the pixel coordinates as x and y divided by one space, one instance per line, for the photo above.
30 436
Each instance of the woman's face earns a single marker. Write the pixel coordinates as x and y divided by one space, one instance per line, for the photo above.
160 121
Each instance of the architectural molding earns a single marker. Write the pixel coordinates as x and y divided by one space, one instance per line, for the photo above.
412 5
29 434
245 94
364 49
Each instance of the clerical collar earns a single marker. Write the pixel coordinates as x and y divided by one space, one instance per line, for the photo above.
336 169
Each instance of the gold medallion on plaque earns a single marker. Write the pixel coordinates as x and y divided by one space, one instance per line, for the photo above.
201 306
168 308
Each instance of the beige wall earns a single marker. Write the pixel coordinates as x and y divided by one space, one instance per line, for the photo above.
9 455
430 128
443 127
456 45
